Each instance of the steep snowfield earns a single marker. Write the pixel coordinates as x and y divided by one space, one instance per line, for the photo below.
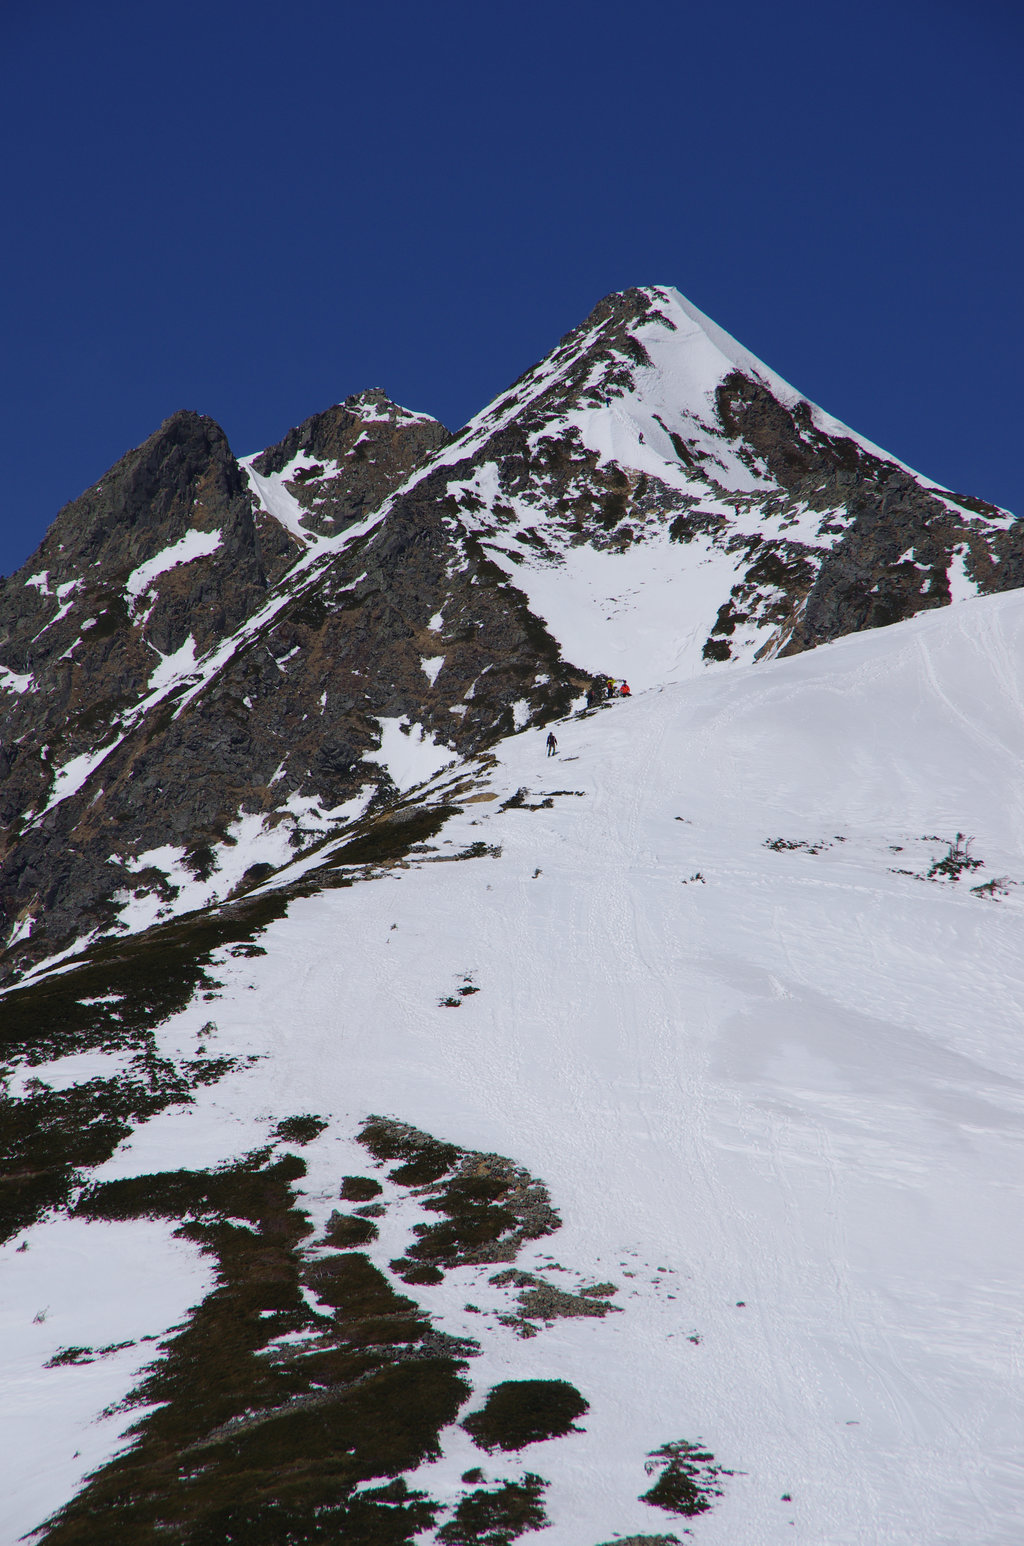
777 1092
692 362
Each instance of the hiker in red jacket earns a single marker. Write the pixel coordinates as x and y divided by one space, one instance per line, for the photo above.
624 691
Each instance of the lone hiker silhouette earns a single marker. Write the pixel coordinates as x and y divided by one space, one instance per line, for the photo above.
552 744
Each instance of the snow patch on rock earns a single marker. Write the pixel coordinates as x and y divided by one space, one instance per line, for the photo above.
408 752
193 545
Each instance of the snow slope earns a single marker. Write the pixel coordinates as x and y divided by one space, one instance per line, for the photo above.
777 1091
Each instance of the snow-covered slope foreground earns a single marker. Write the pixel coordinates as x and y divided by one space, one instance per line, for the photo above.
726 975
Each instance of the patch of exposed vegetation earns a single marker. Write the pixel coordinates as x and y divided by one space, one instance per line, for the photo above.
958 860
466 990
424 1159
687 1478
520 801
301 1130
488 1205
77 1355
951 866
994 888
346 1230
521 1412
295 1398
497 1516
391 836
51 1137
297 1395
359 1189
266 1419
780 845
113 1001
643 1540
541 1301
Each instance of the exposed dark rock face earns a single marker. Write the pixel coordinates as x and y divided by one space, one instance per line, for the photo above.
203 658
83 624
292 710
350 458
894 555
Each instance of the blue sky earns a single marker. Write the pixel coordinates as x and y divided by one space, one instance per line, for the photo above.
255 209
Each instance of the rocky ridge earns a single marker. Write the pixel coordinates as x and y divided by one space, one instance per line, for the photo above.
322 625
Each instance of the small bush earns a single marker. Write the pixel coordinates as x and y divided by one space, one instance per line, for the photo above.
359 1188
496 1517
956 861
520 1412
300 1129
688 1479
345 1231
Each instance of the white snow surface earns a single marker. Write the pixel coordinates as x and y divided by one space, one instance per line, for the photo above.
67 780
194 544
778 1095
81 1284
277 499
178 664
409 752
14 681
640 614
691 361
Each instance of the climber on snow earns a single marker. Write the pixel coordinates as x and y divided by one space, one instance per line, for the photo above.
624 691
552 744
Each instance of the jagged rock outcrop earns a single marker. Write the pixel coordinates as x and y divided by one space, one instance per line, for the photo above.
339 465
899 539
649 432
162 551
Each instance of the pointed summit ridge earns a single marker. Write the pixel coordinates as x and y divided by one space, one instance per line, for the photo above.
653 475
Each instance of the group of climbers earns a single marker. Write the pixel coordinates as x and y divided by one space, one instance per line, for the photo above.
603 687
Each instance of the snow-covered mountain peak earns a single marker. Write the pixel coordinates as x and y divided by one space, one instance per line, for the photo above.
667 502
648 502
312 806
